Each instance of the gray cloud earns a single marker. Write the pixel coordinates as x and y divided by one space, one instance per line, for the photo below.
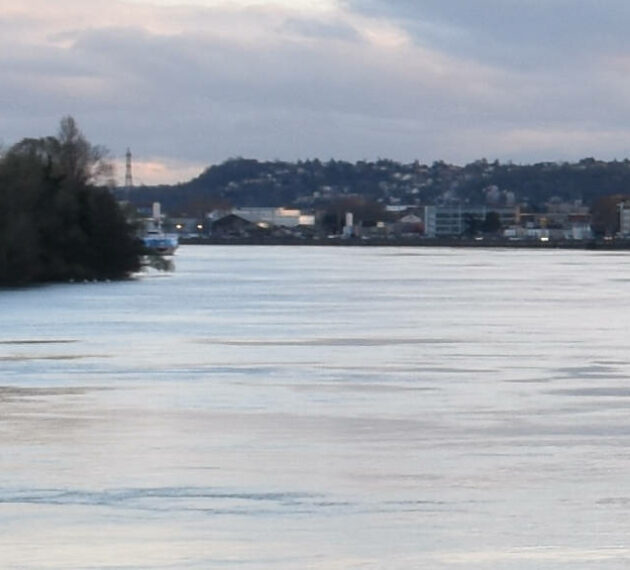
523 33
200 85
318 30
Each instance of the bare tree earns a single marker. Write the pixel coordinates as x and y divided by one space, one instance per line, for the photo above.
80 161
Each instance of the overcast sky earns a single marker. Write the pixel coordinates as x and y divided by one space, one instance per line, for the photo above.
187 84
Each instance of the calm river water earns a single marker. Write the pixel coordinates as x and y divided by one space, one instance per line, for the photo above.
321 408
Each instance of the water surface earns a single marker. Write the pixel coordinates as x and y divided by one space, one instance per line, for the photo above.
333 408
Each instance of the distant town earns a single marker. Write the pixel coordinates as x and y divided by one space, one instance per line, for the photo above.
247 201
59 221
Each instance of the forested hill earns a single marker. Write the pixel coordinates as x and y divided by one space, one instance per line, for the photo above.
248 182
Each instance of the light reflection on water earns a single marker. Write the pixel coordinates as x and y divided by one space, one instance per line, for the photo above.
320 408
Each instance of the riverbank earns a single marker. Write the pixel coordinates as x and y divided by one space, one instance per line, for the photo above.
594 244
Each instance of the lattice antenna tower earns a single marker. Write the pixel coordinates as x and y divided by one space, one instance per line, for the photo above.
128 176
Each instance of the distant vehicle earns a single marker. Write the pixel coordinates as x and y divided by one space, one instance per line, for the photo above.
160 243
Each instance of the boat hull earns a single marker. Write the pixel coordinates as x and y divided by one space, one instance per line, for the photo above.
161 244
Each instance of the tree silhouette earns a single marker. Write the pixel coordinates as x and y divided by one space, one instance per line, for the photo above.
55 224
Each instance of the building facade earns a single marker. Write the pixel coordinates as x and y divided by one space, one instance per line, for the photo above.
445 221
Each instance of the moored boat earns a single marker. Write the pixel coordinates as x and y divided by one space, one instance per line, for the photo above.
160 243
154 239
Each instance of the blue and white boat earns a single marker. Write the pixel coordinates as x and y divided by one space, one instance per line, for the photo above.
160 243
154 239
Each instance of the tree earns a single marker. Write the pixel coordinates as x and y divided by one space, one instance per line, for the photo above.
472 224
492 223
80 161
55 224
605 213
366 213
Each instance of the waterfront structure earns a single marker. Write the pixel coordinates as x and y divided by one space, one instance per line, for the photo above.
443 221
410 224
232 225
624 218
575 232
348 228
268 217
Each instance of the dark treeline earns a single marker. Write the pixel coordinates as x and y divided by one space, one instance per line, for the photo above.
248 182
55 224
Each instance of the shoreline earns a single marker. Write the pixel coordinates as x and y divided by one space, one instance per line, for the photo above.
593 244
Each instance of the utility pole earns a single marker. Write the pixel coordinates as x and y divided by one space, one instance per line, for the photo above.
128 176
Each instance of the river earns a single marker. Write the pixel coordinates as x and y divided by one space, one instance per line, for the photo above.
321 408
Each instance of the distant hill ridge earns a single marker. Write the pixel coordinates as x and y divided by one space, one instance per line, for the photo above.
242 182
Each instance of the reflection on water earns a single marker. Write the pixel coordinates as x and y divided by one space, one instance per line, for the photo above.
326 341
36 341
320 408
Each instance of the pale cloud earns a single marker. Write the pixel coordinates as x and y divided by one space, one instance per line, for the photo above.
294 5
148 171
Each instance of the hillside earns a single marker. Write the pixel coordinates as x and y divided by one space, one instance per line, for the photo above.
248 182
